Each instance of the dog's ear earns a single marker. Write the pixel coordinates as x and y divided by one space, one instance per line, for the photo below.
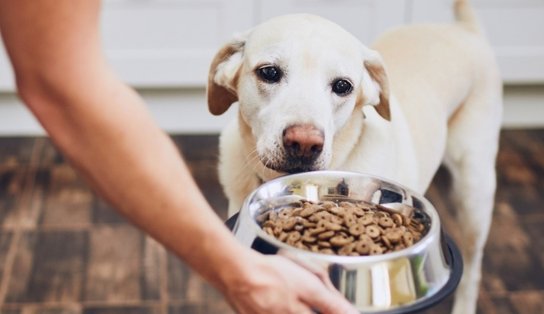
376 85
223 76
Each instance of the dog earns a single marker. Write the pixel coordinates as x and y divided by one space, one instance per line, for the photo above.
311 97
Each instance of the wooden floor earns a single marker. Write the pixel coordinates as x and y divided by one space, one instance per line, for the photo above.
63 250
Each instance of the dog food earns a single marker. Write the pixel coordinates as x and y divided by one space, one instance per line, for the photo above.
342 228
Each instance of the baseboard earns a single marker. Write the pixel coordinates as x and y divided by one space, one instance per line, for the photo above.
184 111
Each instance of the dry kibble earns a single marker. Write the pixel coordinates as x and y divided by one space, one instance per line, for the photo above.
293 237
324 244
367 219
386 222
397 218
357 230
342 228
350 220
325 235
375 249
373 231
289 224
317 230
283 236
340 240
363 247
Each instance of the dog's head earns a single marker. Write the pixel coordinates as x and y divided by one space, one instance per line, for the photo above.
298 79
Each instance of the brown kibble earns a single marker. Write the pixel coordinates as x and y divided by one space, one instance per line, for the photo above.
340 240
347 249
289 223
363 247
300 245
394 236
269 230
293 237
367 219
307 238
307 211
332 226
308 224
373 231
338 211
375 250
284 214
269 224
408 239
324 244
316 231
386 222
344 228
336 219
397 218
326 251
325 235
356 230
350 220
328 204
358 211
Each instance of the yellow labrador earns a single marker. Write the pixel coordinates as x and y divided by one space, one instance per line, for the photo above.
311 96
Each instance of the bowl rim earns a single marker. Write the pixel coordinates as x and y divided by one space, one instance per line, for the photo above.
433 234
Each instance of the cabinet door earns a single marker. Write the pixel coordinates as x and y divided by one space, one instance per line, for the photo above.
363 18
514 28
164 43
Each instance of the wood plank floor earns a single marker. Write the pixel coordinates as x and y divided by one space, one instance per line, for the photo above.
63 250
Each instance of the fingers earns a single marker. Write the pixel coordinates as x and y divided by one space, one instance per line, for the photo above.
326 302
280 285
324 299
316 269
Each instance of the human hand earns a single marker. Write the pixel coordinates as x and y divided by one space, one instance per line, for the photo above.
276 284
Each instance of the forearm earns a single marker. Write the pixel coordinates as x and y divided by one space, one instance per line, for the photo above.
103 127
107 133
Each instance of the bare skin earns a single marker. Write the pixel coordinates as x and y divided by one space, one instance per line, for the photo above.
103 127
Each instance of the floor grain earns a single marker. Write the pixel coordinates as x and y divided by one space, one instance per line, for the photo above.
65 251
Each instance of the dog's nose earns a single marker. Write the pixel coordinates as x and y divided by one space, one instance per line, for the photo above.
303 141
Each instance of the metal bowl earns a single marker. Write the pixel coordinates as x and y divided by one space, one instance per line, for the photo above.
404 281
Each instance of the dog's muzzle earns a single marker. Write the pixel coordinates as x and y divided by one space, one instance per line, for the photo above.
302 146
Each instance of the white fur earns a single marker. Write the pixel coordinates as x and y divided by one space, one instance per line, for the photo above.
445 105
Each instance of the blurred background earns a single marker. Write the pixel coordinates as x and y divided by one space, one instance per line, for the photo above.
63 250
163 48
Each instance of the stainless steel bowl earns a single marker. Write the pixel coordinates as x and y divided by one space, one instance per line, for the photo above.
398 282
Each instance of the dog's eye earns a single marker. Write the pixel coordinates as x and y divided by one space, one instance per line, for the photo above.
342 87
269 74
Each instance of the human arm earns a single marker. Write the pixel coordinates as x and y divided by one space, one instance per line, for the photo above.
104 129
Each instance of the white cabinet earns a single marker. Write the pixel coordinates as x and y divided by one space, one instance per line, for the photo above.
169 43
162 43
363 18
515 28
